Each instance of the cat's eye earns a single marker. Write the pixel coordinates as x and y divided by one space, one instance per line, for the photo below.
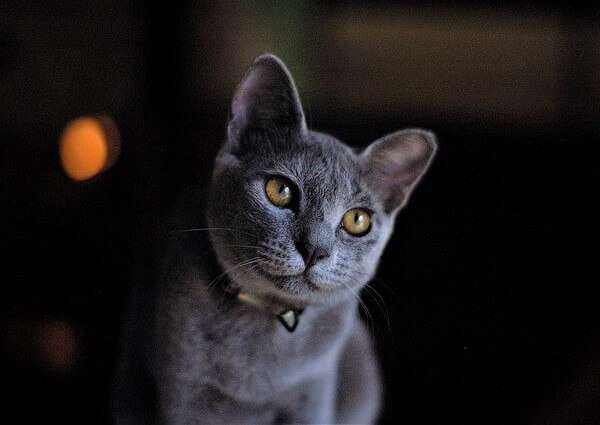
357 221
279 191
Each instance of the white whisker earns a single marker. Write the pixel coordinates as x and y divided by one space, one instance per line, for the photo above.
363 305
206 229
242 264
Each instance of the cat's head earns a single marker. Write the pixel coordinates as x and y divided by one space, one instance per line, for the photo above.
295 213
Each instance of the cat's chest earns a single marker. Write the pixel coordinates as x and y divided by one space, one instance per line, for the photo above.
246 352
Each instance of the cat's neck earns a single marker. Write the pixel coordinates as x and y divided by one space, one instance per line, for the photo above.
287 313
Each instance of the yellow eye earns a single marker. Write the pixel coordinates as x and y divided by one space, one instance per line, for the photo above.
279 191
357 221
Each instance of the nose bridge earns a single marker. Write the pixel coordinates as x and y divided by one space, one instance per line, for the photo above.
314 241
318 233
314 229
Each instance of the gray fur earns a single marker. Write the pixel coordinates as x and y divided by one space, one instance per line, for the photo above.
192 355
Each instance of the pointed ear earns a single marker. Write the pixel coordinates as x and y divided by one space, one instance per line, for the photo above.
266 98
394 165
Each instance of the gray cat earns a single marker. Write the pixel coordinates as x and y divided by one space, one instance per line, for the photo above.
253 317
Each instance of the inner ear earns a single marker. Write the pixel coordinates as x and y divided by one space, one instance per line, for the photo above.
394 165
266 98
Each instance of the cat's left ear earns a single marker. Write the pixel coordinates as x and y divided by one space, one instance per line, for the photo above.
394 165
266 98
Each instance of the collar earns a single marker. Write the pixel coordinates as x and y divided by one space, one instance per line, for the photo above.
286 314
288 317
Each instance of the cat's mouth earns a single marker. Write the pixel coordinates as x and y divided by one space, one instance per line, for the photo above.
301 280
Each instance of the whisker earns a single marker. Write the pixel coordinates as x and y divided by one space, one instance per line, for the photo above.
375 296
206 229
363 305
375 278
231 269
379 300
241 264
252 267
238 246
382 307
199 229
400 300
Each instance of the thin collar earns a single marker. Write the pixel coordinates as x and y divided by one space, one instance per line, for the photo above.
286 314
289 317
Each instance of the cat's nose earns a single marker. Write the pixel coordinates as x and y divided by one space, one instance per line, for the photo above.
311 253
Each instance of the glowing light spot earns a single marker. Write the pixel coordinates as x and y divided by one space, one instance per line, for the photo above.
88 146
57 345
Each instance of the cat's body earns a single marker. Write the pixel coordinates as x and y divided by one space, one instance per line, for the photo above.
206 342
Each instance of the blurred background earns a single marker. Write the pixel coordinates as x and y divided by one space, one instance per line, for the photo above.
490 310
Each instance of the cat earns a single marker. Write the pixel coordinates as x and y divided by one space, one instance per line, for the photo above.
253 317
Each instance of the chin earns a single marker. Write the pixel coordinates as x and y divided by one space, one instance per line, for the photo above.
301 289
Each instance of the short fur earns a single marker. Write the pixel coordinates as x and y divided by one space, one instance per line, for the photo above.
194 355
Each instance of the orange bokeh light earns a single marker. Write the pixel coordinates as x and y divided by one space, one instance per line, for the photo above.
57 344
88 146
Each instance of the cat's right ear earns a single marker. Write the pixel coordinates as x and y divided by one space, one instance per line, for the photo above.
266 99
395 164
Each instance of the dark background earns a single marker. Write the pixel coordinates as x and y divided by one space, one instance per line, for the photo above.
489 279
